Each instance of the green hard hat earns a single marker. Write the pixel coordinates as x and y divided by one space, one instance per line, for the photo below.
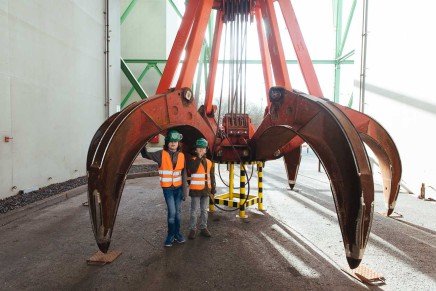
173 135
201 143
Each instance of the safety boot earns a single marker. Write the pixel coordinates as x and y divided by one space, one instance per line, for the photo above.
205 232
192 234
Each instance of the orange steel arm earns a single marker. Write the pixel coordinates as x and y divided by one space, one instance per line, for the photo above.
193 47
213 62
178 47
266 59
275 46
300 48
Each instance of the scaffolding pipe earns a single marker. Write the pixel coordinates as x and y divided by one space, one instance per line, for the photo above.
106 61
363 57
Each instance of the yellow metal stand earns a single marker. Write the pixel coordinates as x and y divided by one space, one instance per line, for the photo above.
260 185
231 180
211 198
242 196
243 200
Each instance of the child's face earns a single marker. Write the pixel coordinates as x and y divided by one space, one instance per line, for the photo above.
172 145
200 151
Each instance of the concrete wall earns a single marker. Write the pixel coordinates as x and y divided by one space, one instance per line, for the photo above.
52 66
400 82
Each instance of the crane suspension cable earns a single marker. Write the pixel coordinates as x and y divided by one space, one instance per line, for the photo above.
237 72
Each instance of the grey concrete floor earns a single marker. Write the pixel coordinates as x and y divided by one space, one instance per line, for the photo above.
294 245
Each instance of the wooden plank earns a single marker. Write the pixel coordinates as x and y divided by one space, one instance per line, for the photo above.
393 215
101 259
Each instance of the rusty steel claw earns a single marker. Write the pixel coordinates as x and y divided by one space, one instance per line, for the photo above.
292 159
338 145
119 140
383 146
378 140
97 138
101 131
104 132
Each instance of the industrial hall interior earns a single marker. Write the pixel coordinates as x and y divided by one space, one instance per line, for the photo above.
217 145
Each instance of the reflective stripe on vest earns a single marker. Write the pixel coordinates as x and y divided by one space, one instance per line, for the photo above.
199 178
167 175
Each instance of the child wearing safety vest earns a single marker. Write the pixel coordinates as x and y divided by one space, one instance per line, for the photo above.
202 185
173 180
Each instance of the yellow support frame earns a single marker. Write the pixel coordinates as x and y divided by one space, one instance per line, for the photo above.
227 199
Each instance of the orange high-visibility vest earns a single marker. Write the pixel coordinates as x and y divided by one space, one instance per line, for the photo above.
199 178
167 175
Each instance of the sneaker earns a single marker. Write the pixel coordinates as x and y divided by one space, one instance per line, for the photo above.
169 241
205 232
192 234
179 238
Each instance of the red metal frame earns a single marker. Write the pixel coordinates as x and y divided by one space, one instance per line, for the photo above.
275 46
193 48
178 47
300 48
266 59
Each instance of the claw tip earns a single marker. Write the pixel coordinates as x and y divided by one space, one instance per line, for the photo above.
104 247
353 263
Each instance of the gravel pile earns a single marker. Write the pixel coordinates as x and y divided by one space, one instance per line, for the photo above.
22 199
143 168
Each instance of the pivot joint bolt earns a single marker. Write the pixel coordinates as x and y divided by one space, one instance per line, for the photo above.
187 94
275 94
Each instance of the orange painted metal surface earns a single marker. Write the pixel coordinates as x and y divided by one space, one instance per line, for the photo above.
266 59
130 130
337 143
275 46
177 48
300 48
195 42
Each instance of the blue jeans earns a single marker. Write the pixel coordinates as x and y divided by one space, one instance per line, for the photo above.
173 198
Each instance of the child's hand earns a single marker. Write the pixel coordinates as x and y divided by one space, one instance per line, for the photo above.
201 152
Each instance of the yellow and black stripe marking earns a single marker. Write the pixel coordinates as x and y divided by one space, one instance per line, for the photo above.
242 196
260 185
237 163
224 200
242 200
